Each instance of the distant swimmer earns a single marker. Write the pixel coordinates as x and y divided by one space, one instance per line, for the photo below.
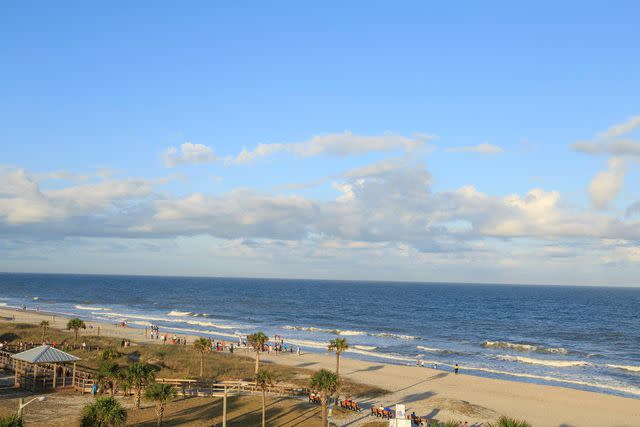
456 368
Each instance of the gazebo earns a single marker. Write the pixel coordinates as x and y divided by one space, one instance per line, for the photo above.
43 367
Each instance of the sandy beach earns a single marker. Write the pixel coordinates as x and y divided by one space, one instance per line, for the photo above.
432 392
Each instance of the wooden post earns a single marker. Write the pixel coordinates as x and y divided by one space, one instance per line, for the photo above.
35 375
64 376
98 330
224 407
55 375
73 378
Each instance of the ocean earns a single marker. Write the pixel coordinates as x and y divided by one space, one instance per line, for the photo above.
579 337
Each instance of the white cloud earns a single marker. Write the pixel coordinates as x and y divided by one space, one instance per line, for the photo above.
262 150
616 148
606 185
483 148
338 144
387 210
620 129
188 153
606 142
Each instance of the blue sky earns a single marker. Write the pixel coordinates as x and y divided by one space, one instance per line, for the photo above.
413 141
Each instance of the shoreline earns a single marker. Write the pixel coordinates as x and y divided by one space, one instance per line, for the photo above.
437 393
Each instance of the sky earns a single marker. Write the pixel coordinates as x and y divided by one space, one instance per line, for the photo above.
487 142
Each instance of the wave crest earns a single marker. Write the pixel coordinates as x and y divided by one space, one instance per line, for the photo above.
545 362
90 308
626 368
525 348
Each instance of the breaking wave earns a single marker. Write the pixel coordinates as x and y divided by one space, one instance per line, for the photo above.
544 362
525 348
364 347
349 332
626 368
90 308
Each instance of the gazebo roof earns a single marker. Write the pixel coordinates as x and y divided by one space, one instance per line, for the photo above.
45 354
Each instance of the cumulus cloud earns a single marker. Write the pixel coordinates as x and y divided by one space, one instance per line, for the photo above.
483 148
22 201
338 144
387 204
606 185
188 153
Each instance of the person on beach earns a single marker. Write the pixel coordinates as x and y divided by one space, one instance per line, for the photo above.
455 369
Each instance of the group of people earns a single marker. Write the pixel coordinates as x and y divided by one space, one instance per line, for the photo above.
382 411
154 332
456 367
349 404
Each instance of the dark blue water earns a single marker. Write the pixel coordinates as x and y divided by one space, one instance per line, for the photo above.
581 337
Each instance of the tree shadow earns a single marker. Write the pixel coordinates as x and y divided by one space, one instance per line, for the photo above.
306 364
368 369
418 396
9 336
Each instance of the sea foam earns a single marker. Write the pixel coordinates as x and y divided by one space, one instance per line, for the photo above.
90 308
544 362
525 348
626 368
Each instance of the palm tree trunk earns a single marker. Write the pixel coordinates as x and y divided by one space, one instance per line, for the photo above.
264 410
76 336
257 362
337 363
201 363
138 396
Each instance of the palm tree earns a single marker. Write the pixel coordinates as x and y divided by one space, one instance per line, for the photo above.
109 374
264 379
327 383
338 345
44 325
257 341
201 345
161 394
76 324
104 412
140 375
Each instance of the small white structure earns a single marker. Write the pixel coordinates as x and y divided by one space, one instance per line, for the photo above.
401 417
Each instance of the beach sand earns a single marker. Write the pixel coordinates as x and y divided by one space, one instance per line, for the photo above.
436 393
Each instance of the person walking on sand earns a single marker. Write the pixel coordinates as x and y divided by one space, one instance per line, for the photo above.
456 368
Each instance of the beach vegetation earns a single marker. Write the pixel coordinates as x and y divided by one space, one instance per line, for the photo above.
11 421
326 383
75 325
109 376
44 325
264 379
505 421
140 376
109 354
257 341
338 345
201 345
104 412
160 394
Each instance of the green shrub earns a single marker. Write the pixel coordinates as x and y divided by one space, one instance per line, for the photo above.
11 421
509 422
